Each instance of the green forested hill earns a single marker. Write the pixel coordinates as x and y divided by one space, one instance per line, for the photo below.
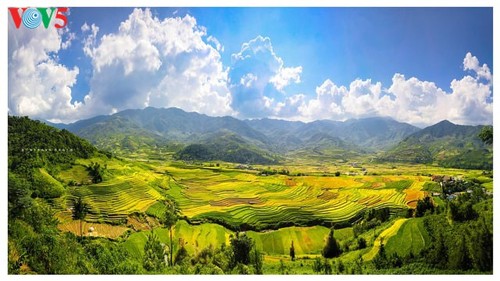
33 144
225 146
446 144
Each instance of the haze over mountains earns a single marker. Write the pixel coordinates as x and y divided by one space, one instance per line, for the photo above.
227 138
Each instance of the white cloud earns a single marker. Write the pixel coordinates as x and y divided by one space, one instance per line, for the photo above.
286 75
161 63
70 36
173 62
147 62
408 100
472 63
258 77
90 39
39 86
217 44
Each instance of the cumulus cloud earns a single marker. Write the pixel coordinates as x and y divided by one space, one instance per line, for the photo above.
409 100
258 77
286 75
154 62
472 63
147 62
174 62
362 99
39 86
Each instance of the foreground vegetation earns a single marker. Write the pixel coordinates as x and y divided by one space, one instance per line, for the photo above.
81 211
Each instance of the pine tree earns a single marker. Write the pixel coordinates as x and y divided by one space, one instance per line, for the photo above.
256 260
153 253
292 252
459 257
332 247
482 251
438 253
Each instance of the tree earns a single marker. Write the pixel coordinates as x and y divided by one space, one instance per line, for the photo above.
423 206
169 222
438 252
361 243
327 267
256 259
96 172
153 253
181 255
282 268
459 256
482 252
332 247
380 259
486 134
292 252
19 195
317 266
241 246
79 212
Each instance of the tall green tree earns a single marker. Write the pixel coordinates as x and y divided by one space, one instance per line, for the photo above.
332 247
292 252
96 172
438 252
482 248
170 220
380 259
459 257
241 245
256 260
79 212
153 253
486 134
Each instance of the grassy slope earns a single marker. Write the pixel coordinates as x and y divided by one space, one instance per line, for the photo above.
385 235
307 240
411 237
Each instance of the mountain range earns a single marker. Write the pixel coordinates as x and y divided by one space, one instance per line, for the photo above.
198 136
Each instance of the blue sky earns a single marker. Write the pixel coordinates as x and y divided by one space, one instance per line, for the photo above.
314 63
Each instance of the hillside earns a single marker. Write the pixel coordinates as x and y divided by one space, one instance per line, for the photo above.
446 144
225 146
36 153
369 134
173 129
154 126
32 144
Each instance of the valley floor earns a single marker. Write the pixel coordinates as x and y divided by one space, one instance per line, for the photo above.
294 204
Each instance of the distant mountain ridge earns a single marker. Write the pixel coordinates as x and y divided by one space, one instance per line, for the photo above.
259 139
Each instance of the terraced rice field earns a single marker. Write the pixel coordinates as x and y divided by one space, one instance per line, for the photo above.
67 224
238 197
157 210
112 201
261 201
100 229
410 238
